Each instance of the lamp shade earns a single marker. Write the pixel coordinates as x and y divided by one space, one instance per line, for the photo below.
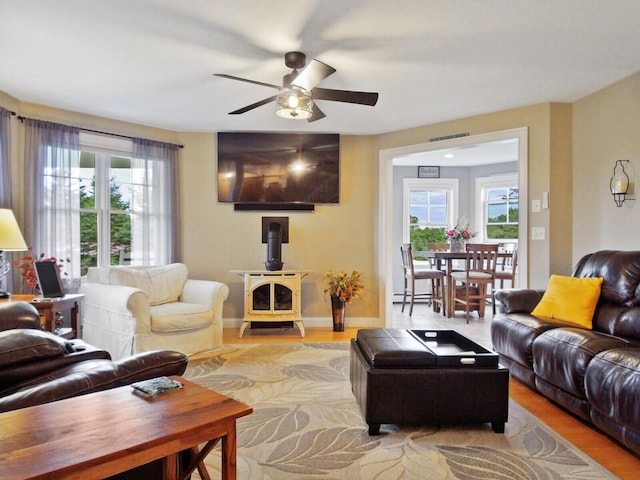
294 104
11 238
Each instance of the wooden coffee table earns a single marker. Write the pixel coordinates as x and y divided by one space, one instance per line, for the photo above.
101 434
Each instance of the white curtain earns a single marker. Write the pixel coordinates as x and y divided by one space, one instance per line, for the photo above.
52 194
5 182
155 207
5 163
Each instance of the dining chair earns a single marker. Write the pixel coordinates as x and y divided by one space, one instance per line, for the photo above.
436 247
470 286
411 275
506 264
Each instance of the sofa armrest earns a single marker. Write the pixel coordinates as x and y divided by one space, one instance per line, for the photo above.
120 303
205 292
94 376
18 315
518 300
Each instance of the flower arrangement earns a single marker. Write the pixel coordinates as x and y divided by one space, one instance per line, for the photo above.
28 269
344 286
460 232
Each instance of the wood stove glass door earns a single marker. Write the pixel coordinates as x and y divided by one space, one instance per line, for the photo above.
272 297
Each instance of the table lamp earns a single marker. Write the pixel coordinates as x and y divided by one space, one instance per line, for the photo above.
10 240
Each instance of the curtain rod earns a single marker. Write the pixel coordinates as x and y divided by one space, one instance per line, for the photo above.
22 119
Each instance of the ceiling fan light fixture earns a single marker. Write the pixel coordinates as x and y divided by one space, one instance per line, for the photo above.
294 104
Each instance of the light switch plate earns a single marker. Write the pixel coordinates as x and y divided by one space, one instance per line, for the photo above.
535 206
537 233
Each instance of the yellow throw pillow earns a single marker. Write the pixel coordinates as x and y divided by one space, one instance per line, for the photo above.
570 299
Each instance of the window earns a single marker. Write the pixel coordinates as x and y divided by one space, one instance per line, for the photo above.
127 203
430 206
500 208
105 213
92 196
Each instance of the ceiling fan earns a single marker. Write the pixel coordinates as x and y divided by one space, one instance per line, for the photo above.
298 93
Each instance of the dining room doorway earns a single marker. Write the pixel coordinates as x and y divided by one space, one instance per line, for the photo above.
417 155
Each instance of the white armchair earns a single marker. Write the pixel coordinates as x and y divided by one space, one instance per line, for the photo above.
128 310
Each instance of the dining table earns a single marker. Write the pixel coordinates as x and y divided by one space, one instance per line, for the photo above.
444 260
447 258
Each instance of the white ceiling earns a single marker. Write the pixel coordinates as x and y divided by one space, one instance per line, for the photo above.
151 61
499 151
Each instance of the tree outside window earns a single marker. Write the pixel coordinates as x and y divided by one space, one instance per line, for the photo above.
105 217
502 213
427 217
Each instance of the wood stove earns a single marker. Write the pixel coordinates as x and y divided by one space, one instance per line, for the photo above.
272 296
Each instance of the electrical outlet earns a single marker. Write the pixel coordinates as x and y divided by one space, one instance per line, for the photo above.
537 233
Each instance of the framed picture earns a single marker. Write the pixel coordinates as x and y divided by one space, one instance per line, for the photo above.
428 172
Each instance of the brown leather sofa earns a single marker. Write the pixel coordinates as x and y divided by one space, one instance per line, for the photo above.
595 374
38 367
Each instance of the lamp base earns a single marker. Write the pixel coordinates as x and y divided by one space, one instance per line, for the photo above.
5 294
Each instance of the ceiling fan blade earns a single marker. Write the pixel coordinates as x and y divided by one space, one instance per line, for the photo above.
316 115
312 75
348 96
253 105
255 82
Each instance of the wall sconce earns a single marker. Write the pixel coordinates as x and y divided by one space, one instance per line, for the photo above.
619 183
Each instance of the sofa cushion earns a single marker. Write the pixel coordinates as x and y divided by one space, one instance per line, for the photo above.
129 277
163 284
167 283
512 336
570 299
561 356
618 311
613 387
29 345
618 320
179 316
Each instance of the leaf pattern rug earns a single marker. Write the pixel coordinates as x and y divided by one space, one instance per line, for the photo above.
307 425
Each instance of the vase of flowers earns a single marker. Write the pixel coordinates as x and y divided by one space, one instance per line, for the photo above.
28 270
342 288
459 235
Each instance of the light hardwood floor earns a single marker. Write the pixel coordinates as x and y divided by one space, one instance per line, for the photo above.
610 454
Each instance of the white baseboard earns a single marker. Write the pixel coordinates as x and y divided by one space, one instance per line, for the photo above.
311 322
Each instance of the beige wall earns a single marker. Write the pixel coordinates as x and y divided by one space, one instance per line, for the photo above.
546 123
597 130
217 239
606 128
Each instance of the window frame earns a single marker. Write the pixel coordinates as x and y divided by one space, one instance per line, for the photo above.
450 185
104 147
483 184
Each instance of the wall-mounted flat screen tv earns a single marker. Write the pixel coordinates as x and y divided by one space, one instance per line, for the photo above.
278 168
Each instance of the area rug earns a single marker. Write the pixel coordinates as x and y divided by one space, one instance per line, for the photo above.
306 425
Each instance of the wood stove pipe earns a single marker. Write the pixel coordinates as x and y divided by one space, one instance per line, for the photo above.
274 247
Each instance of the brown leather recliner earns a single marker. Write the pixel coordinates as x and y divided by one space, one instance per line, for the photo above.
595 373
38 367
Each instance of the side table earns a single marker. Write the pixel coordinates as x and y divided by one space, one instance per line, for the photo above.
49 308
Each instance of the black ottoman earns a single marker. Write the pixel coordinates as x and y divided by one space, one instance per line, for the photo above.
426 377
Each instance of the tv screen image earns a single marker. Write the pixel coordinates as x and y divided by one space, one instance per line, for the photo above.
278 168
